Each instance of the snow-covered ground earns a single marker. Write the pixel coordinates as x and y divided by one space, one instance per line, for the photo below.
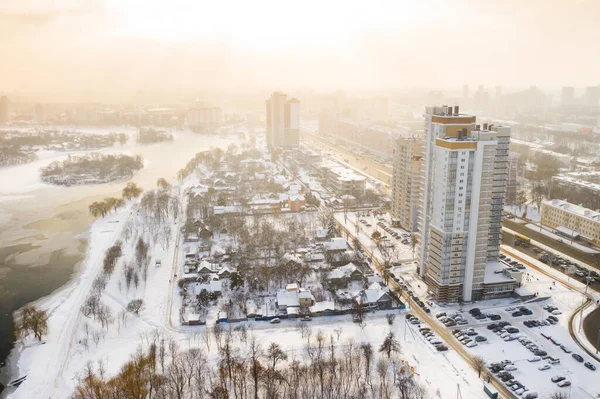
529 212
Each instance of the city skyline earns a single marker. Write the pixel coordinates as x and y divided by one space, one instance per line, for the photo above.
123 48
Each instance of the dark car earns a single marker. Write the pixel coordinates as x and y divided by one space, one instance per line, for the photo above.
577 357
557 378
495 317
441 348
512 330
540 353
492 326
517 314
480 338
590 366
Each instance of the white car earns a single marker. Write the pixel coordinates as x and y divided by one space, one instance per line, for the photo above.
275 321
556 312
471 344
544 367
534 359
510 367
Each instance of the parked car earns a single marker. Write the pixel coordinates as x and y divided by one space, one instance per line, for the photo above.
480 338
517 314
441 348
510 367
577 357
544 367
557 378
275 321
531 395
306 318
563 384
534 359
565 349
590 366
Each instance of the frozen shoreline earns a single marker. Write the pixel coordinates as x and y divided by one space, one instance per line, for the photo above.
63 310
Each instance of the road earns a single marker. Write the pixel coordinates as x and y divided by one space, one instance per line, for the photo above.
591 259
514 253
443 332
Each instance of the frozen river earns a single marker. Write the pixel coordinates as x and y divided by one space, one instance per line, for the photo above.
43 233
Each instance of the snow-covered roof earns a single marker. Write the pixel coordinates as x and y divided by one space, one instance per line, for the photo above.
212 286
491 277
574 209
342 272
287 298
336 244
373 295
291 287
322 233
322 306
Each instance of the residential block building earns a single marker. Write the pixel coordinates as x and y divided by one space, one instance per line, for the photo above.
464 183
283 121
572 220
406 189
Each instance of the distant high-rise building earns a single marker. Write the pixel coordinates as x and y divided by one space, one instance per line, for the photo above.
464 183
498 92
204 117
4 109
592 96
406 190
465 92
567 95
283 121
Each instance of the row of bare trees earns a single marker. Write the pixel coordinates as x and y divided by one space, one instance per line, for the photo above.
327 368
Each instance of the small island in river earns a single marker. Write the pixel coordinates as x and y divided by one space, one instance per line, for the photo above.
94 168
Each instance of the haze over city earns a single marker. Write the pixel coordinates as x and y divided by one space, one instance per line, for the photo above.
105 49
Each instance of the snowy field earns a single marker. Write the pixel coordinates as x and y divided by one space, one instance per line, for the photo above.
528 212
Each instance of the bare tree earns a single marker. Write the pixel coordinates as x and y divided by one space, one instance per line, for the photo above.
478 364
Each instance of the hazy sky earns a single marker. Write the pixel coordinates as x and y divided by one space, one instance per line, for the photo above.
96 47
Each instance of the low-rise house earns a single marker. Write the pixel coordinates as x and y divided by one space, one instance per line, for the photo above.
212 286
336 244
322 234
224 273
296 202
205 268
375 297
342 275
300 298
205 233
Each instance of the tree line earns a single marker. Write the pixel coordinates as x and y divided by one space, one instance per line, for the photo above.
243 368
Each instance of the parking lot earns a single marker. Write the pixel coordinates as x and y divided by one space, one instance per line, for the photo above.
527 345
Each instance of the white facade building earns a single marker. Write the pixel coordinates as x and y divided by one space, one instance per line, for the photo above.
464 183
